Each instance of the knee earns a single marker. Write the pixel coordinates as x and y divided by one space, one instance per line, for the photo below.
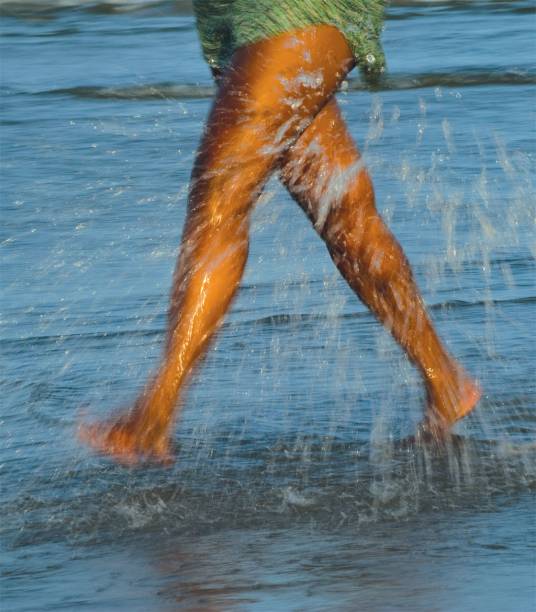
356 233
224 188
353 219
218 218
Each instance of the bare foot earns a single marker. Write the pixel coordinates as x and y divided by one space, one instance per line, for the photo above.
448 402
125 442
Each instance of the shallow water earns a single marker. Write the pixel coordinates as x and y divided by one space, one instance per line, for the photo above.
287 492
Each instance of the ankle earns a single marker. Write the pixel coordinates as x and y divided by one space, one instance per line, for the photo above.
450 398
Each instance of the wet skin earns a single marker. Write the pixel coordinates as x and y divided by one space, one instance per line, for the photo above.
275 110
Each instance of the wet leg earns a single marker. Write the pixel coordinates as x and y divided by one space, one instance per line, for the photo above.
324 173
271 93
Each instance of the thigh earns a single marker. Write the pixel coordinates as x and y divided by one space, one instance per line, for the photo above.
271 92
267 97
325 174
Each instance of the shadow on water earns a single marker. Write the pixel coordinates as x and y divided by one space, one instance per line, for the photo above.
238 483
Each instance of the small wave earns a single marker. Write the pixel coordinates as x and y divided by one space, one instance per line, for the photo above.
394 82
398 9
470 6
456 80
454 304
78 337
35 9
158 91
275 320
284 319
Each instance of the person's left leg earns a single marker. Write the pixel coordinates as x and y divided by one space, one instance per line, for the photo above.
324 173
268 96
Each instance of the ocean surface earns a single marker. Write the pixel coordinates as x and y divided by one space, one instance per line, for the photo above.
288 491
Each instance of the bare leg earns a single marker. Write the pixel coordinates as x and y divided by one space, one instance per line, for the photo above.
267 98
323 173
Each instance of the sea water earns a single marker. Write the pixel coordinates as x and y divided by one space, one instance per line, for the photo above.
287 492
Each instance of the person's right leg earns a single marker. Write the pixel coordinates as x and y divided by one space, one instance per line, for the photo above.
324 174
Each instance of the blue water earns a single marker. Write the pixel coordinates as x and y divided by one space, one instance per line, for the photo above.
287 492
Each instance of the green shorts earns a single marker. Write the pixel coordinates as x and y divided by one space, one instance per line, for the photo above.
226 25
